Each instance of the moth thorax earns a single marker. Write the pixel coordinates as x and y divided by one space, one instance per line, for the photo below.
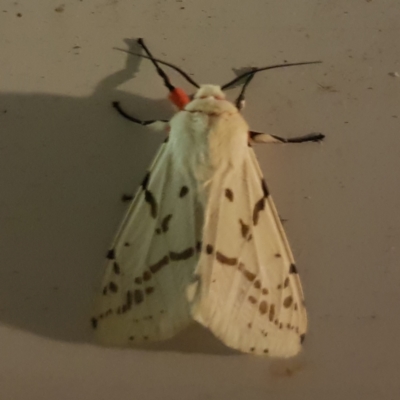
206 91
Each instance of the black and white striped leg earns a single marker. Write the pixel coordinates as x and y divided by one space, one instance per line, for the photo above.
158 125
260 137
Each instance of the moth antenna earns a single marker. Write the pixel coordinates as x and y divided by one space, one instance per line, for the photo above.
254 71
160 71
239 102
177 69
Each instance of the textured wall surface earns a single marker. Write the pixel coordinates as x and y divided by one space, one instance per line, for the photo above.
66 157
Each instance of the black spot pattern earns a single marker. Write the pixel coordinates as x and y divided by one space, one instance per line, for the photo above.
145 181
229 194
183 255
138 296
116 268
293 269
165 223
259 206
159 264
225 260
111 254
244 229
184 191
94 323
149 198
209 249
264 188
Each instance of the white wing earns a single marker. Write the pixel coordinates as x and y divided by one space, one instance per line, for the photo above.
248 292
152 260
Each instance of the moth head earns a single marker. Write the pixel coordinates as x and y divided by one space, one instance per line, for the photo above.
209 91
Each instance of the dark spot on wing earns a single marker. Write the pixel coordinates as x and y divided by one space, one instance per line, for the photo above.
209 249
198 246
229 194
116 268
146 275
105 290
249 325
113 287
272 312
280 325
183 255
149 290
149 198
257 284
263 307
252 300
145 181
249 275
279 286
128 299
265 351
288 301
265 291
111 254
138 296
158 265
127 244
259 206
165 223
225 260
295 306
264 188
184 191
94 323
131 337
252 349
158 231
293 269
302 338
277 255
138 280
286 283
244 229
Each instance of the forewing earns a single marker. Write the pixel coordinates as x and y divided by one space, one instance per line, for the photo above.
151 260
248 291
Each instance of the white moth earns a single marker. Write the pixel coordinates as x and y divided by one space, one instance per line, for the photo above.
202 239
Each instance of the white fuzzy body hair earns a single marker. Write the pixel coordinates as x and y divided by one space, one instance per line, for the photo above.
214 132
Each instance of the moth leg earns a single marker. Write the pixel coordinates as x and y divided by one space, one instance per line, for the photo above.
240 100
154 124
260 137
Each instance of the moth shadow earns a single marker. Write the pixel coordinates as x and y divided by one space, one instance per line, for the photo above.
64 164
194 339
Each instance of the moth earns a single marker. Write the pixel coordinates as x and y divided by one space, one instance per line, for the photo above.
202 240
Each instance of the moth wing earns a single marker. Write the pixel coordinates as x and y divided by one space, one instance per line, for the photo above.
248 292
151 260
